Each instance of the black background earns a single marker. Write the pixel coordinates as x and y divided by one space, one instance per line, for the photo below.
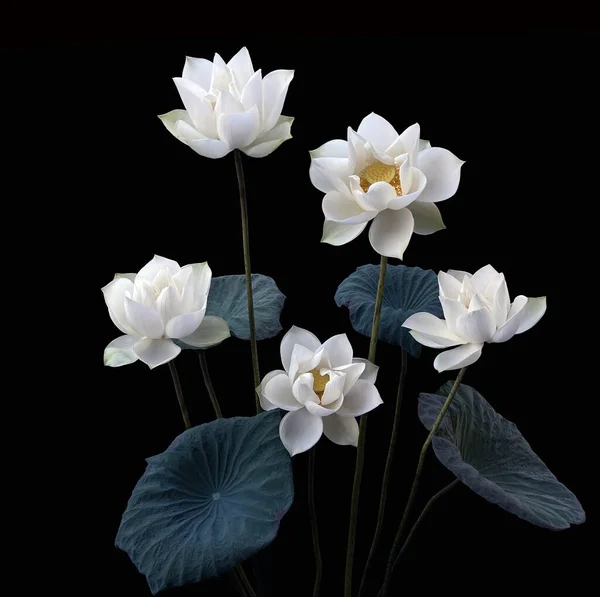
115 187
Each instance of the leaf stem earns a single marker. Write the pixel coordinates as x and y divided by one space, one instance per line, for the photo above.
386 474
313 521
243 579
360 455
179 392
246 245
208 383
413 489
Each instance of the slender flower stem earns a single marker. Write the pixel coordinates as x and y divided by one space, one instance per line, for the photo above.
246 244
442 492
360 454
179 392
413 489
313 521
208 383
244 582
386 474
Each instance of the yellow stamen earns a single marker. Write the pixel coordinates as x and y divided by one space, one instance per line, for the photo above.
379 172
319 383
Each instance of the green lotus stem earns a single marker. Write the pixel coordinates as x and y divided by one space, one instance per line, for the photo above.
244 582
246 244
360 454
208 383
179 393
413 489
313 521
386 474
442 492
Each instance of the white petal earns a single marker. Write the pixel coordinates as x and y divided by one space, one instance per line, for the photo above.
240 129
241 68
337 148
476 326
115 294
143 320
199 109
379 195
453 309
302 360
278 391
170 120
211 331
168 303
483 277
185 324
324 179
120 351
195 290
342 431
354 372
361 399
210 148
324 410
428 218
303 390
501 302
149 271
357 152
264 403
275 86
377 131
337 167
268 142
390 232
220 74
423 144
457 358
300 431
335 233
430 330
155 352
442 169
334 390
338 207
295 336
339 350
370 371
449 285
198 70
459 275
410 142
418 182
534 310
510 327
252 93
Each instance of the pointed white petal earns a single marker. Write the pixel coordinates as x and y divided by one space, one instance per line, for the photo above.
275 87
302 360
170 120
300 431
390 232
195 290
361 399
379 196
449 285
278 391
241 67
342 431
252 93
198 70
268 142
199 109
476 326
457 358
534 311
511 326
185 324
143 320
211 331
295 336
240 129
155 352
412 192
430 330
264 403
483 277
377 131
501 302
115 293
339 350
442 169
354 372
336 233
337 148
149 271
210 148
303 390
120 351
334 389
342 208
428 218
453 309
370 371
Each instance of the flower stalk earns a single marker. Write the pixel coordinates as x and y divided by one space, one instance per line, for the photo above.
313 521
179 393
360 455
248 270
386 474
413 489
208 383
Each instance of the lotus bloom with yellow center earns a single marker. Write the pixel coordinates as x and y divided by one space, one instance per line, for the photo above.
323 387
377 174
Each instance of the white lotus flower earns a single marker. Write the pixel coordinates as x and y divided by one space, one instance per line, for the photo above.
377 174
323 387
229 106
477 309
162 302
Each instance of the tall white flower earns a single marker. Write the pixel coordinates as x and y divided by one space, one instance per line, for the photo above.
323 387
229 106
377 174
477 309
162 302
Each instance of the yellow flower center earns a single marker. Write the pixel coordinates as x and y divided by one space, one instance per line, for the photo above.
379 172
319 383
